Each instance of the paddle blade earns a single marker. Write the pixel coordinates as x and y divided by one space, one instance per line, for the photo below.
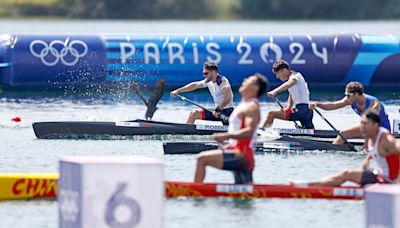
137 89
154 98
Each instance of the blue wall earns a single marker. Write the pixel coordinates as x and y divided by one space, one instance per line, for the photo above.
61 61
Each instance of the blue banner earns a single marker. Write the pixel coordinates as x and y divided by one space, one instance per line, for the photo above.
28 61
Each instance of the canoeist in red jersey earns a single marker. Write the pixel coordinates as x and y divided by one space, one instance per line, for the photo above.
238 155
382 147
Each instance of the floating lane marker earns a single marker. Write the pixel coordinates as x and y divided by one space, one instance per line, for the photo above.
31 186
28 185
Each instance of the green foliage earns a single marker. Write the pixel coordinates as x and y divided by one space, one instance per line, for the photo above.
317 9
142 9
205 9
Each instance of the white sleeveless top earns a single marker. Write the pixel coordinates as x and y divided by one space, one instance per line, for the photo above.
236 123
299 92
215 89
388 166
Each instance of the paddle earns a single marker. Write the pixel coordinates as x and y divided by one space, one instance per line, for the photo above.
351 146
222 116
279 103
260 131
151 102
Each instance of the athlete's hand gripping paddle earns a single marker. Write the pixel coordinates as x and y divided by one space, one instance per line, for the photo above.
280 104
222 116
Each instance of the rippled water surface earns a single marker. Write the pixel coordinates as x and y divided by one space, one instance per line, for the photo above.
22 152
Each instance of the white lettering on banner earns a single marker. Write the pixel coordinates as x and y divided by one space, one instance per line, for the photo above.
50 55
154 55
235 188
177 55
125 55
195 53
212 127
296 59
322 55
396 126
127 124
268 53
212 48
274 48
247 51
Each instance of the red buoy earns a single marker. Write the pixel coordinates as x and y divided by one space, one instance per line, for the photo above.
16 119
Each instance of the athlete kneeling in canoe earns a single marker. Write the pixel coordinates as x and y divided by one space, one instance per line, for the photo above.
359 102
382 147
237 155
299 96
220 90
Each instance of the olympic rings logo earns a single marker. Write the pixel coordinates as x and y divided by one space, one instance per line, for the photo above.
57 50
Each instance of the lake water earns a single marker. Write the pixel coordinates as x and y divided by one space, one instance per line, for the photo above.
21 152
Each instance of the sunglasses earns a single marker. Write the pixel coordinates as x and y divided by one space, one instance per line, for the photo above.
205 73
349 94
276 69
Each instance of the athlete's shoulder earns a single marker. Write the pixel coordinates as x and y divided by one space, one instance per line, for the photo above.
252 106
223 82
297 74
387 138
203 83
222 79
347 101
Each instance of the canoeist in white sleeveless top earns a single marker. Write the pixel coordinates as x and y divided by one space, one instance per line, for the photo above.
388 165
382 148
220 90
237 156
299 97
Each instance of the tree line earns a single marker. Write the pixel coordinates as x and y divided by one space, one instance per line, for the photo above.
205 9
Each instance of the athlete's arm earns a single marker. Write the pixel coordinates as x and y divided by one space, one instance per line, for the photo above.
331 105
187 88
375 106
227 91
365 163
289 101
389 144
285 86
